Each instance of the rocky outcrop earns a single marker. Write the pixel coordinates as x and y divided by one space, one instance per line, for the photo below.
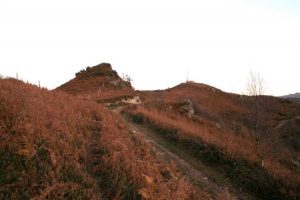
103 69
95 80
187 107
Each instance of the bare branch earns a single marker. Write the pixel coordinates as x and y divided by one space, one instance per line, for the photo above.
255 84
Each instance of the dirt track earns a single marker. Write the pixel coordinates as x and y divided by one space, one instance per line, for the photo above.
200 175
283 122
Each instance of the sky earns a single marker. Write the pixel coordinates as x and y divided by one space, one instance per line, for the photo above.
158 43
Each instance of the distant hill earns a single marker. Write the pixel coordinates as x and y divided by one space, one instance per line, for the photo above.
292 96
99 80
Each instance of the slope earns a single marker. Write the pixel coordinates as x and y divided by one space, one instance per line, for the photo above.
220 128
253 141
98 82
57 146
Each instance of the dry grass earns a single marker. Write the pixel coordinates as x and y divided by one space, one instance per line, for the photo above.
232 144
100 80
227 121
43 141
130 158
235 146
275 179
57 146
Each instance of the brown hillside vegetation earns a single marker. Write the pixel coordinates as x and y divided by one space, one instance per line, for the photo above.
218 128
98 82
57 146
63 144
258 152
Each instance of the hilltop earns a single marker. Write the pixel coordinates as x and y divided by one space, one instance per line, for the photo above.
99 80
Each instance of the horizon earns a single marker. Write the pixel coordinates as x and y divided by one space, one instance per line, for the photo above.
158 44
187 81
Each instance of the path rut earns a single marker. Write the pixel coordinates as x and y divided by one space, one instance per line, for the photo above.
217 185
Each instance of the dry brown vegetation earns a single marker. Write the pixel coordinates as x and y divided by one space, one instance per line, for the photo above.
99 83
226 121
234 145
100 80
57 146
43 141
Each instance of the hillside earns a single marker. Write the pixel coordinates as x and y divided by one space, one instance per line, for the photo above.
294 97
260 135
57 146
192 141
100 81
265 144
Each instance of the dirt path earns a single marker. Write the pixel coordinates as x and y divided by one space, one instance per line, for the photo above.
283 122
200 175
92 155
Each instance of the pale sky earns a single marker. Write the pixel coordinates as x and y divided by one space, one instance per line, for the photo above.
156 42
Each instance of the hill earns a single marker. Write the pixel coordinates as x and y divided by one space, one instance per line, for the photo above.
293 97
65 144
255 141
99 82
56 146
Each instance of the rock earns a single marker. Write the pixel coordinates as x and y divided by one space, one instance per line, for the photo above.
188 108
134 100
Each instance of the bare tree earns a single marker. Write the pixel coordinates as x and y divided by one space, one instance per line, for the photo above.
255 84
256 88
